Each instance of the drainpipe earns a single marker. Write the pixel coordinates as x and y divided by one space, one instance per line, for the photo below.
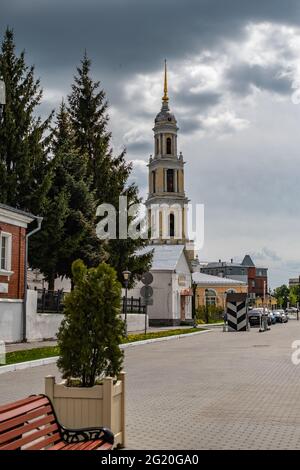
37 229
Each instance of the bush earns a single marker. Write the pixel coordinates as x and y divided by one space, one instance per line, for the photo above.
209 314
92 329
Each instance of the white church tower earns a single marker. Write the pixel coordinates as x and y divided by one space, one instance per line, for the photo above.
167 201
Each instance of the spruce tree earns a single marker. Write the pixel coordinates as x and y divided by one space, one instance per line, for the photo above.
109 174
71 204
24 165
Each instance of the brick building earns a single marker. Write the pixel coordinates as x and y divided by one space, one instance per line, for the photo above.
13 226
255 277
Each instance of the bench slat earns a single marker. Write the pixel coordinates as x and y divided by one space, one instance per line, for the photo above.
18 403
45 442
30 438
19 431
58 446
23 409
11 423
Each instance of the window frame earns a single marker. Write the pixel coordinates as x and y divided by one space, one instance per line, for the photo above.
8 255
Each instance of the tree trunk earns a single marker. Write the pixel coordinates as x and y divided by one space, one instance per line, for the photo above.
51 282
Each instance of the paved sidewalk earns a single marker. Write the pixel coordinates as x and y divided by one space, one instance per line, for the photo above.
212 391
10 347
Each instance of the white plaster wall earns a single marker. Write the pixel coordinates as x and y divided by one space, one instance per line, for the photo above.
10 320
182 268
162 307
135 322
40 325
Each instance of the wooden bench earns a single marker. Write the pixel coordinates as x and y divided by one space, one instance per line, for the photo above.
31 424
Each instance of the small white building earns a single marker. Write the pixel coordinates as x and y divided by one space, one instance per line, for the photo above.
172 286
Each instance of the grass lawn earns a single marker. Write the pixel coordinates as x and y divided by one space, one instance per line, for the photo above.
41 353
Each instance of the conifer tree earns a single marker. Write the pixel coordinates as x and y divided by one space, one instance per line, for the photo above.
24 165
92 329
109 174
68 229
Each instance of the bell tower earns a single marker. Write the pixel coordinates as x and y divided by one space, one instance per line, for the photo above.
166 199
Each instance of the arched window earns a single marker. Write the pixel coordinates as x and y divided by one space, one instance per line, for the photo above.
210 297
172 225
170 181
169 146
154 181
157 145
231 291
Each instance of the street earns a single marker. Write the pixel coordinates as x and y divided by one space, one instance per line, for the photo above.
212 391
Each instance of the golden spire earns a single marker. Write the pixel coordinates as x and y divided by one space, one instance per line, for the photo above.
165 97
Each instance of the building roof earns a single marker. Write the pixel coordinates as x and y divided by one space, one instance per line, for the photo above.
247 261
222 264
165 257
205 279
17 211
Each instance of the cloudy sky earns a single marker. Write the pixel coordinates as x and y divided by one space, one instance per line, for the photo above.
234 76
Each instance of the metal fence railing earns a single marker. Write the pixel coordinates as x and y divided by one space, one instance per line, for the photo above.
50 301
133 305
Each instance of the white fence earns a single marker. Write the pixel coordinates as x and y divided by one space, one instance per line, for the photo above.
41 326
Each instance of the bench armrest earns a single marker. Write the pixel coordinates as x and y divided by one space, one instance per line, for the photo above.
72 436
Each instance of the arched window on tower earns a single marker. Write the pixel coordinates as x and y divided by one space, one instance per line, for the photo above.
172 225
169 146
170 181
154 181
157 145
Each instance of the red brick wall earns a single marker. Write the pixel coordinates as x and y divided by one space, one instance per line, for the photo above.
251 278
16 281
260 280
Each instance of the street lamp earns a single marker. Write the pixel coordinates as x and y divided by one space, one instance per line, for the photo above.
126 275
2 98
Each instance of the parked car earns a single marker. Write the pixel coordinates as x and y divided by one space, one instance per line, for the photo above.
255 314
291 311
272 317
281 316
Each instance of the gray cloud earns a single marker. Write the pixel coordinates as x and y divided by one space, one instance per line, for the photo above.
243 76
249 179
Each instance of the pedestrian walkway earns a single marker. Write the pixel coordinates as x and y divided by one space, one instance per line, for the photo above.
212 391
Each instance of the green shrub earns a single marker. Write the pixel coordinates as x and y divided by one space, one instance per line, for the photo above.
209 314
92 329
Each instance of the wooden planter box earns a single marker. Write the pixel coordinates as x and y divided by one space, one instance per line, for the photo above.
80 407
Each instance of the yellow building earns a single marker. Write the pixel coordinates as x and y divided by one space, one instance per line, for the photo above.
269 302
212 290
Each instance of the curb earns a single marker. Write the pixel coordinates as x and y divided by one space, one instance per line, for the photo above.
52 360
157 340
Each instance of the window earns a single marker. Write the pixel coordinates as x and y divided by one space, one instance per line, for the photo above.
210 297
157 145
170 181
5 251
172 225
169 146
153 181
